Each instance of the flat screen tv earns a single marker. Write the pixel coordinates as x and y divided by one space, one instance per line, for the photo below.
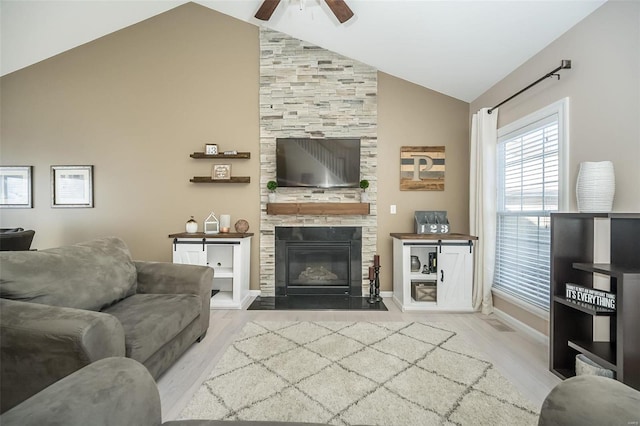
318 163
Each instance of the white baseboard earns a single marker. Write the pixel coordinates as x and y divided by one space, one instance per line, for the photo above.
255 293
386 294
517 324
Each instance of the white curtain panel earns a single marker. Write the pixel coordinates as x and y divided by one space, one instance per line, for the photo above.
482 204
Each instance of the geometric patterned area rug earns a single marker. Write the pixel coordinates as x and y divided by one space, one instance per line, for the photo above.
358 373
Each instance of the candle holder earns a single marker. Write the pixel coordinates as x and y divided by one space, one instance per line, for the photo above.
225 223
374 286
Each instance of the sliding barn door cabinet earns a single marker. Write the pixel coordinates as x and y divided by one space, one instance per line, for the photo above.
228 255
433 272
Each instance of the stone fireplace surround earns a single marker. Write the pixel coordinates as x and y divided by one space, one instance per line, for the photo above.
307 91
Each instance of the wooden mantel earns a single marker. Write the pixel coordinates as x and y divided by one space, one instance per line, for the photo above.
324 209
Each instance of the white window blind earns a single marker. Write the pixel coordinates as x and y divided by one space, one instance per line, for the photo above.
528 191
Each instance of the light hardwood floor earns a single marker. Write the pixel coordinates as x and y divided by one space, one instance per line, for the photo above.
518 356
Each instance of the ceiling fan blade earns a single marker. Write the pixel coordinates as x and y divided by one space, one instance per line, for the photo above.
340 9
266 9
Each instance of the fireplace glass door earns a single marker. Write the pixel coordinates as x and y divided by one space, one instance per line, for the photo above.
318 268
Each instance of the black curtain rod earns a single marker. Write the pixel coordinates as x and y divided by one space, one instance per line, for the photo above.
564 65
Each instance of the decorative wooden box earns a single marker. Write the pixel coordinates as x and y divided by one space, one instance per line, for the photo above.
426 291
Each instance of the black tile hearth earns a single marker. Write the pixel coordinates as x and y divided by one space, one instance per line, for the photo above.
314 303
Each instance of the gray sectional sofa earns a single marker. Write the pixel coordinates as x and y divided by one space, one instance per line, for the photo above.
113 391
64 308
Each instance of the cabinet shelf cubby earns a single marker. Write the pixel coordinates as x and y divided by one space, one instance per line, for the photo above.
577 243
584 307
606 269
423 277
603 353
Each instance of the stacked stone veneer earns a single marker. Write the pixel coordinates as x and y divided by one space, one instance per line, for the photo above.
307 91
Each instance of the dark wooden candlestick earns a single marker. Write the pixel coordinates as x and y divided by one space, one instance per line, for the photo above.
374 285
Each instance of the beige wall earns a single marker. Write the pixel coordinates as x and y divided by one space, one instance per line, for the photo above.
604 99
137 102
409 114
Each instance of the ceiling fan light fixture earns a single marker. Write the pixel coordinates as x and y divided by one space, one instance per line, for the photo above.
266 9
339 8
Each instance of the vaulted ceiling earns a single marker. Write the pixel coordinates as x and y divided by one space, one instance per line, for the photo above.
456 47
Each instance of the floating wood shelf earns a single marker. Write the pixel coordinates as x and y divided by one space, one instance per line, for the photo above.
207 179
244 155
318 208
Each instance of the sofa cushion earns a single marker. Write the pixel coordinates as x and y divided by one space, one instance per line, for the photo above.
89 275
152 320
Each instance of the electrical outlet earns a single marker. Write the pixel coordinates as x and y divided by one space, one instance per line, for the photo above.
393 209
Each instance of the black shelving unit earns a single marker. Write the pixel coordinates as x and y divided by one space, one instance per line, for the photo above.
571 327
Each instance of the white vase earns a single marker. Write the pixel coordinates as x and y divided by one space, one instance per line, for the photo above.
272 197
595 187
364 197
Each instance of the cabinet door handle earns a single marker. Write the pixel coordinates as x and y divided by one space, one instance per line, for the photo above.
441 275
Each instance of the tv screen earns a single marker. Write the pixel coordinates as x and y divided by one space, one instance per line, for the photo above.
319 163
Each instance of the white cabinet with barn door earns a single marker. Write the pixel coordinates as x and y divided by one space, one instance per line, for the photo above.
433 272
455 279
229 257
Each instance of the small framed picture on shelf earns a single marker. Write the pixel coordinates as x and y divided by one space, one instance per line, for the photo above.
221 172
211 149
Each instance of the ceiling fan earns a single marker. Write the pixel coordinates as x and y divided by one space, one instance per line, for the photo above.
338 7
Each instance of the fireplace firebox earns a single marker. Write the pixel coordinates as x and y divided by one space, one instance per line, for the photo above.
318 260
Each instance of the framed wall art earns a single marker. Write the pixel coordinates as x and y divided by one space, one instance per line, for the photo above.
221 172
211 149
422 168
16 187
72 186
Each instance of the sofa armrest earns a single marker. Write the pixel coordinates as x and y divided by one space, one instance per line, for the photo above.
590 401
177 278
40 344
112 391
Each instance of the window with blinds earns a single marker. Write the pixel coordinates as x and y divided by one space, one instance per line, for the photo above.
528 191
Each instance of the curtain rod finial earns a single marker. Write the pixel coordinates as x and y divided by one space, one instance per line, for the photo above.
566 64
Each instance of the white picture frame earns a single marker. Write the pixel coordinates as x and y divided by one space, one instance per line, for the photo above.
211 149
16 187
221 172
72 186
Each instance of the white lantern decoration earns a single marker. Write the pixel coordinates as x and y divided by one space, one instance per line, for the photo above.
211 224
